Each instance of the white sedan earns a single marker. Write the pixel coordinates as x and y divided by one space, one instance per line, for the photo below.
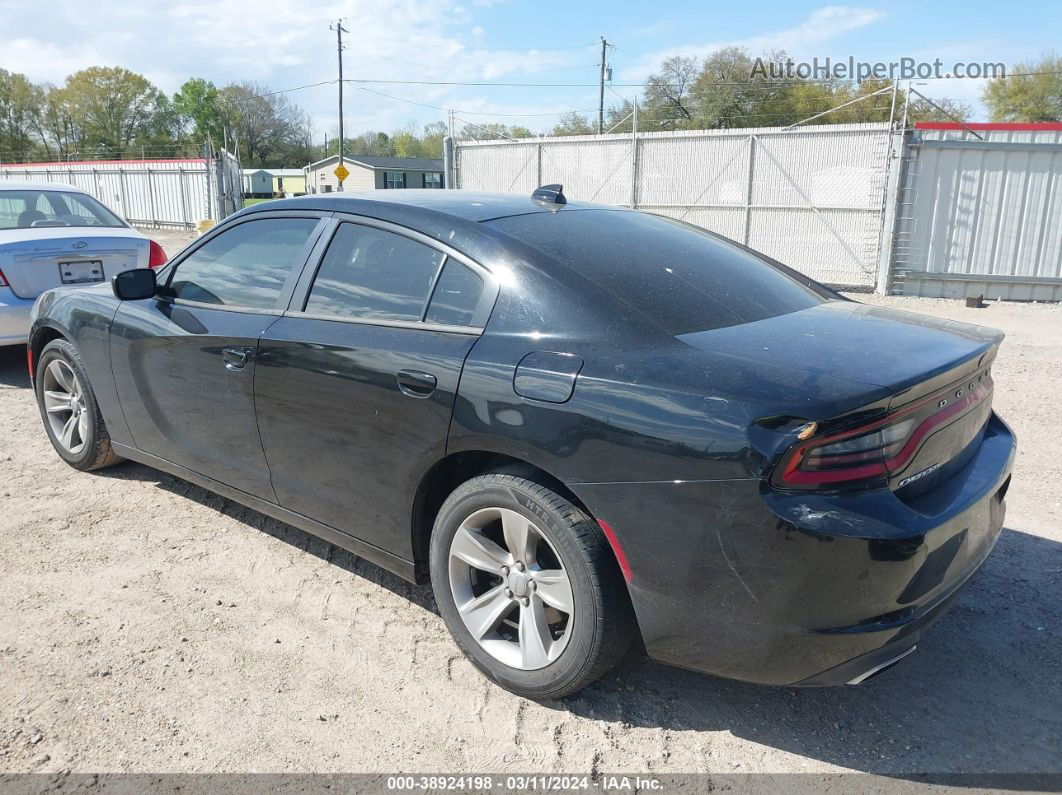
52 235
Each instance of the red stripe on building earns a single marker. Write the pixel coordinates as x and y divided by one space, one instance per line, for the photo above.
1019 126
63 164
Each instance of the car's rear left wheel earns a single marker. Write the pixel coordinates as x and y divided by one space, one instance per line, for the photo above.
528 586
68 407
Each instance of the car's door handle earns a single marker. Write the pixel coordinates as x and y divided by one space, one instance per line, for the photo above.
416 383
235 358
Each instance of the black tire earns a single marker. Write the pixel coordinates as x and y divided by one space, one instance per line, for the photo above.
96 453
602 622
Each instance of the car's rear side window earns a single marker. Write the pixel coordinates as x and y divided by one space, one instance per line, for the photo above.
373 274
26 209
244 266
456 296
680 278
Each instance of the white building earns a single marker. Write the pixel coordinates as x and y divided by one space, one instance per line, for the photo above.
368 172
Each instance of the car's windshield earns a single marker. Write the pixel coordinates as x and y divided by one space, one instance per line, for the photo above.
33 209
678 276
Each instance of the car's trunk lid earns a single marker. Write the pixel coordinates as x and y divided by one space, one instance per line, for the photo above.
917 359
35 260
885 347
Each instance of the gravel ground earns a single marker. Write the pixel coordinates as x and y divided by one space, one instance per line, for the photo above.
172 240
149 625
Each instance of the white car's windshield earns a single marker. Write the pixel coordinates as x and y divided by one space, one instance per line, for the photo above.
32 209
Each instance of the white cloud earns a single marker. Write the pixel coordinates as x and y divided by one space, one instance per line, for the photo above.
821 26
280 43
45 61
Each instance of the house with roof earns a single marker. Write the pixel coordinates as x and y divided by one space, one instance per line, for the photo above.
267 183
368 172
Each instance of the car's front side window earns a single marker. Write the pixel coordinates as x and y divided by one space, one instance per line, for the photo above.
373 274
245 266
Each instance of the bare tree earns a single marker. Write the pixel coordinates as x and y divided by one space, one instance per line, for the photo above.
668 101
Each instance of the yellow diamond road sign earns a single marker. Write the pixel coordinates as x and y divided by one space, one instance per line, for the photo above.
341 172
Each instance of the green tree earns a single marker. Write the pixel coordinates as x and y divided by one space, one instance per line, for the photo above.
574 123
113 107
405 143
431 139
197 106
1033 93
55 124
728 89
268 129
492 131
382 146
20 107
944 110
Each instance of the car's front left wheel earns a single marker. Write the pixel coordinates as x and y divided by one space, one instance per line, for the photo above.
68 407
528 586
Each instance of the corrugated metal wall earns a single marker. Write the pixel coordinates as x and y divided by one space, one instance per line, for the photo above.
980 217
144 192
811 197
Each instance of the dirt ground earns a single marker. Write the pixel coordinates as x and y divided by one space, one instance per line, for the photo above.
148 625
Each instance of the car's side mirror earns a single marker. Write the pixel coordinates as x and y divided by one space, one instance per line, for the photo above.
134 285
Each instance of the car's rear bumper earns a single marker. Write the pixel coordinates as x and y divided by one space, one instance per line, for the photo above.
736 579
14 317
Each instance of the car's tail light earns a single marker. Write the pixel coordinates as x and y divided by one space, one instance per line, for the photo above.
3 281
30 364
878 449
157 257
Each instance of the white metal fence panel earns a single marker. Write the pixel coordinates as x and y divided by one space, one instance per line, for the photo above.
981 217
148 192
714 195
810 197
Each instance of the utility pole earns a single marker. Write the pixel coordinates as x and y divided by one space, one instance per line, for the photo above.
450 151
340 30
601 92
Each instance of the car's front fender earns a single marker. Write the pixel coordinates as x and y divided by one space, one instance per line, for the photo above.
83 317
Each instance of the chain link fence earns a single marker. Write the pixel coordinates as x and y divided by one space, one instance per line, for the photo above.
155 193
811 197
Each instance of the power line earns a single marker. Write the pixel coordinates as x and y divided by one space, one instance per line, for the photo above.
472 112
423 65
456 47
806 104
749 83
297 88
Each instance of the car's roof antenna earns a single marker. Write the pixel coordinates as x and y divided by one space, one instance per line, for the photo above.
549 196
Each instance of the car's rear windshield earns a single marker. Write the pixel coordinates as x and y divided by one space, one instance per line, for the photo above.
33 209
679 277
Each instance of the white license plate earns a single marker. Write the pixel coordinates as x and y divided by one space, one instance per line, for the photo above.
81 272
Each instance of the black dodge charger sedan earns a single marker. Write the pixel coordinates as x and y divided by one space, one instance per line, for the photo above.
584 425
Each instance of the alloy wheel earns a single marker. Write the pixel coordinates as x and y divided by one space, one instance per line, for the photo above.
511 588
64 403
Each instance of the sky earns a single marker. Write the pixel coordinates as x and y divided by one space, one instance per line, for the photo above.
285 44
